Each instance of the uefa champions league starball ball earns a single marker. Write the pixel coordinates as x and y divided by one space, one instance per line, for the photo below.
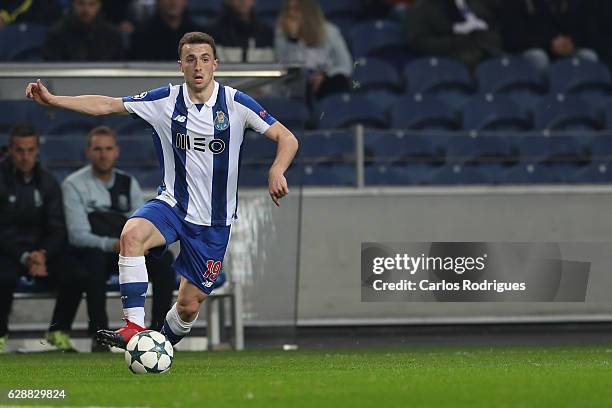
149 352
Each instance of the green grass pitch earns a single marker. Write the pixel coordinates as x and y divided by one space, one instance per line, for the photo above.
577 376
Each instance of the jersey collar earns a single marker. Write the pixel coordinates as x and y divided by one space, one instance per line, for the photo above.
210 102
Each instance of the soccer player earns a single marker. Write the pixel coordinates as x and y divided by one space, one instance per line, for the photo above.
197 130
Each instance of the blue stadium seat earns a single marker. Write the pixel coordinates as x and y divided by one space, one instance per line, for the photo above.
64 122
607 113
383 99
493 112
594 173
254 175
601 149
506 74
373 73
470 150
423 112
435 74
116 122
62 150
339 8
345 110
148 177
557 149
268 8
22 41
376 38
395 147
12 112
137 152
292 113
565 112
574 75
136 127
457 174
329 174
257 149
208 8
531 173
404 174
328 147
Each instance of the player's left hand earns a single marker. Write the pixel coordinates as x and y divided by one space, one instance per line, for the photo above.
277 185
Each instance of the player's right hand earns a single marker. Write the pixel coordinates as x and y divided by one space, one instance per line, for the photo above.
39 93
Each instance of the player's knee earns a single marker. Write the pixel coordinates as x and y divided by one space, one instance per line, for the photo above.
132 242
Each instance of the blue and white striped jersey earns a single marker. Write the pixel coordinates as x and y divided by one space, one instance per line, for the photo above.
199 147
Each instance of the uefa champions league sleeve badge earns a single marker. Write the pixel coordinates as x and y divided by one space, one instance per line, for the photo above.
221 121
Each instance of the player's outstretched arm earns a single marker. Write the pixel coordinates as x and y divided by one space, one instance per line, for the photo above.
287 147
88 104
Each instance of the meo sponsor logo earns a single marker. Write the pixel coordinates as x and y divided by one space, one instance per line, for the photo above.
201 144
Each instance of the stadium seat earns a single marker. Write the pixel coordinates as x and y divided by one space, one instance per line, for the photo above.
457 174
470 150
62 150
601 149
329 174
574 75
506 74
22 41
339 8
539 173
493 112
268 10
435 74
557 149
135 127
116 122
12 112
376 38
257 149
423 112
396 147
345 110
594 173
65 122
565 112
327 147
292 113
137 152
209 8
373 73
383 99
404 174
254 175
149 177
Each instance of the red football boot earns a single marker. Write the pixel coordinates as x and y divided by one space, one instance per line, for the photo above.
120 337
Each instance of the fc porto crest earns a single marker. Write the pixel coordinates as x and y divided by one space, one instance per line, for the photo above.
221 121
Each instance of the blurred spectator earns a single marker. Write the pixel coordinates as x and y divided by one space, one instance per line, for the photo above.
304 36
459 29
118 12
32 229
240 37
547 29
98 200
83 35
29 11
156 39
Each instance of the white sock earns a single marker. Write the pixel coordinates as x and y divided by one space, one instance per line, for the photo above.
133 284
174 327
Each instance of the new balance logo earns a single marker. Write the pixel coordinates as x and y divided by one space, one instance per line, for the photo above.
180 118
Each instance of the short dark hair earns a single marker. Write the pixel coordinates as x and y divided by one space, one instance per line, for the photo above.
100 130
22 130
197 37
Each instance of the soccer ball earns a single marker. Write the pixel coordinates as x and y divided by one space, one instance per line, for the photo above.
149 352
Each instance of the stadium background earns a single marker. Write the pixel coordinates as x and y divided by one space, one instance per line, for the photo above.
423 149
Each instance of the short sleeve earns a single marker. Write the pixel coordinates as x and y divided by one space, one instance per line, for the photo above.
148 105
256 117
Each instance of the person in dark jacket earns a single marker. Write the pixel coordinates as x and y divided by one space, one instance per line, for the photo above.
547 29
32 228
461 29
240 36
156 39
83 35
